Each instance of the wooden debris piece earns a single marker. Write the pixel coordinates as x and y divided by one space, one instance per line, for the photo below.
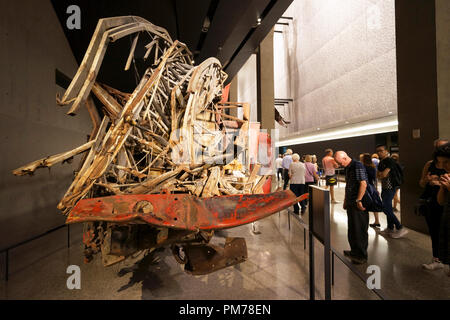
52 160
254 174
131 55
258 188
211 187
147 186
114 139
112 107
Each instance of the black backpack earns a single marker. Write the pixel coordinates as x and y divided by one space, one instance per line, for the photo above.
371 199
396 175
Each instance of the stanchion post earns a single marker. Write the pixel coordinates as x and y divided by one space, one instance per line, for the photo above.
304 238
327 246
332 268
327 258
68 236
312 285
289 220
7 265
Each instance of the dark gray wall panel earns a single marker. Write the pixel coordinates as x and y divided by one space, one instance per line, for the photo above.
417 97
32 46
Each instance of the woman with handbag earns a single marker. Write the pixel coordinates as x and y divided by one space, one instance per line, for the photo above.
311 176
430 208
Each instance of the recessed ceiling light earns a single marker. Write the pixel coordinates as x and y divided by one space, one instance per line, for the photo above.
390 112
318 128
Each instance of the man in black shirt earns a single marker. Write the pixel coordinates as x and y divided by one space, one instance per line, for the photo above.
358 217
388 188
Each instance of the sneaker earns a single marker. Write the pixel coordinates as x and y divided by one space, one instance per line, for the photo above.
386 232
399 233
255 228
375 225
434 265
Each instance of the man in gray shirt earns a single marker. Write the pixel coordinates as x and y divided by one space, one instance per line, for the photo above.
287 160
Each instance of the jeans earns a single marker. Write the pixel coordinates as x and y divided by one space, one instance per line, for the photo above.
433 219
285 178
280 174
444 236
357 234
298 190
387 195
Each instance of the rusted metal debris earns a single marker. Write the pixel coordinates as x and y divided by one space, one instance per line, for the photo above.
183 211
153 172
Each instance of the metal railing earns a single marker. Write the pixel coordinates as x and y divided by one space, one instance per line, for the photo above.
8 249
334 253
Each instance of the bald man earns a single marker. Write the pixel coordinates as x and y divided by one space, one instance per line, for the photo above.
357 215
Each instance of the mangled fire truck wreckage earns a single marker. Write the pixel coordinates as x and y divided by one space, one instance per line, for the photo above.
160 167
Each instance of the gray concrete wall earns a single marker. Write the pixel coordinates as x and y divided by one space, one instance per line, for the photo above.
336 59
265 87
32 46
247 90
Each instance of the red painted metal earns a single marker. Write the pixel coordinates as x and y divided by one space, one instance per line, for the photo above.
267 185
183 211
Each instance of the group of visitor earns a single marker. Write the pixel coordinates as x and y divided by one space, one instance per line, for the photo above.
298 175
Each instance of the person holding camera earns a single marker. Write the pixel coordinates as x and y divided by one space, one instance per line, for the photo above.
430 208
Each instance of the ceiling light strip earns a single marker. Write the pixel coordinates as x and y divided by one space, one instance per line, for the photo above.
353 131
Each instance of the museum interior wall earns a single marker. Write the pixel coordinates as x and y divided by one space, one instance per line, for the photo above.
265 82
33 46
336 61
247 85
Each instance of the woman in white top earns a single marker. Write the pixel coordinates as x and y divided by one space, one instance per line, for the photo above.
297 171
314 162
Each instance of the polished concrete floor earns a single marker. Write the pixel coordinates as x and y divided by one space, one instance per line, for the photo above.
277 268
